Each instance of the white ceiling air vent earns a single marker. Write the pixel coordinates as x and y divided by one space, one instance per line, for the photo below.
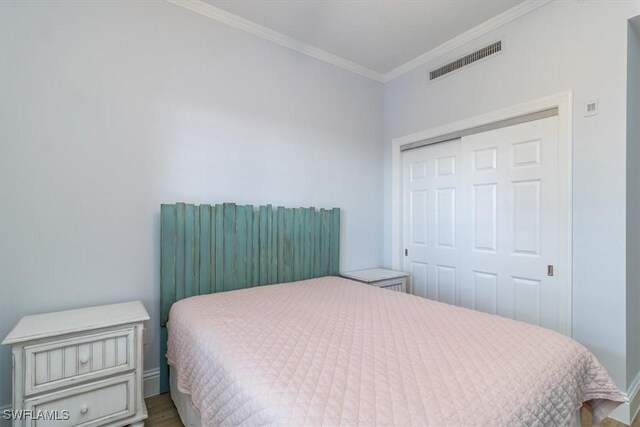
466 60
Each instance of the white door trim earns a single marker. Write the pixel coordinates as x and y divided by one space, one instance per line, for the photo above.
562 101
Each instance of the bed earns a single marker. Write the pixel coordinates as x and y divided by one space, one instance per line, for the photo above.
332 351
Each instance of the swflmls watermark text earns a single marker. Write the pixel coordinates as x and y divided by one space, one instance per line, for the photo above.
29 414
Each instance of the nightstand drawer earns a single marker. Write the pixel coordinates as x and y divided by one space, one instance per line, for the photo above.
94 404
66 362
392 285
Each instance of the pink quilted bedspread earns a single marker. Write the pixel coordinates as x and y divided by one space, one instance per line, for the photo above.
332 351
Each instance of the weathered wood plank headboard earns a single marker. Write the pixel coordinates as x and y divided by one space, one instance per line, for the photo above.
215 248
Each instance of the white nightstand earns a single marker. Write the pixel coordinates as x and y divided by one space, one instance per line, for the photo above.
81 366
380 277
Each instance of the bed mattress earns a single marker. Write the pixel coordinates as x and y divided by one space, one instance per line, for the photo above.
333 351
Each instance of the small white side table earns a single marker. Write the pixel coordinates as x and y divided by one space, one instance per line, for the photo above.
380 277
81 367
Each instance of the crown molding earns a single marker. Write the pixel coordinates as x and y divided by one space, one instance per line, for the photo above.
475 32
251 27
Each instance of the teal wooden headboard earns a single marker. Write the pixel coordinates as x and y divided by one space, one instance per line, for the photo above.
215 248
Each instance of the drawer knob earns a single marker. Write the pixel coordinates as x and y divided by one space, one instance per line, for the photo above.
84 409
84 360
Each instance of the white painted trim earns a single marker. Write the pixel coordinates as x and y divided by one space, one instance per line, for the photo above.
151 382
251 27
562 101
477 31
634 398
627 412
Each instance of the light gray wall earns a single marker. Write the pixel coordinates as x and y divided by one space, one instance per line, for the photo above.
633 200
564 45
110 108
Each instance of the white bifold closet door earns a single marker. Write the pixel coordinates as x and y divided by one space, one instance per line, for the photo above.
481 223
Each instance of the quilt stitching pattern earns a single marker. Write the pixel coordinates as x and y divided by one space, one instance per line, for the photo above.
331 351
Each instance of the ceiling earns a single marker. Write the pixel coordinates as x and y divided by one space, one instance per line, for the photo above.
377 35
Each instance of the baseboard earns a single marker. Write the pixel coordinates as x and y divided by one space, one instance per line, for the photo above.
151 382
627 412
